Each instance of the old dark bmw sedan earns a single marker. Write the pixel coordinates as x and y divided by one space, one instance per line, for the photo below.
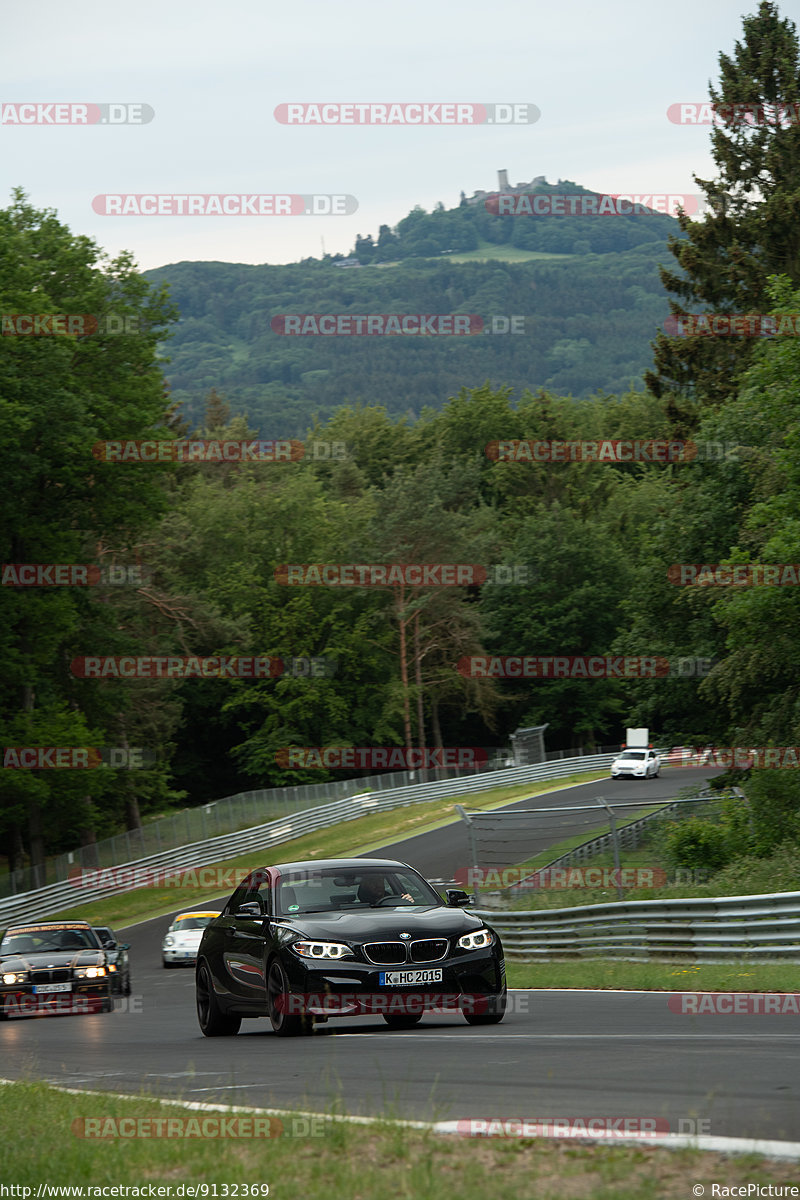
52 967
302 942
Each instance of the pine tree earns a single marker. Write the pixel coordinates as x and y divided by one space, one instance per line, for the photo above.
753 228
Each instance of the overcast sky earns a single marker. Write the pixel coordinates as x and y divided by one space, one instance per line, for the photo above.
602 72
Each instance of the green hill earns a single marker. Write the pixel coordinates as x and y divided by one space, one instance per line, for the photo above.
589 316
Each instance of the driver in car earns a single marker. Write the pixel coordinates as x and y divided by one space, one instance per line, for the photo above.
373 890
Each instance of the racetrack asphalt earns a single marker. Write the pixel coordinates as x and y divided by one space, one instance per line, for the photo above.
557 1054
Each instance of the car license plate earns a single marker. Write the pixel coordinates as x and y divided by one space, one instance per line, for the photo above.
41 988
410 978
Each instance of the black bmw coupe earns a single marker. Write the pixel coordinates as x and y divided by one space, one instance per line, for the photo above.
301 942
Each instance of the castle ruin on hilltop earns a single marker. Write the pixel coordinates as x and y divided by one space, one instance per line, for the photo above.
504 187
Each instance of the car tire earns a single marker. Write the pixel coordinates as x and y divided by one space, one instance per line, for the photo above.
402 1020
283 1024
166 965
212 1020
498 1004
126 991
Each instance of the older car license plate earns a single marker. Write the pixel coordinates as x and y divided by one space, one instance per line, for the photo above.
410 978
41 988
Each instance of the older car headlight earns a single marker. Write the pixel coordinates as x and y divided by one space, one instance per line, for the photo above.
476 941
169 940
15 977
321 949
90 972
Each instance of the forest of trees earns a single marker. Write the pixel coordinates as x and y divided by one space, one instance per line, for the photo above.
597 538
590 319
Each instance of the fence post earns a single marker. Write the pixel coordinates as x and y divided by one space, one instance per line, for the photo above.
472 851
615 841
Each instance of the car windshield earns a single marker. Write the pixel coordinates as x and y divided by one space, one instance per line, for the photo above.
337 890
25 941
633 754
186 923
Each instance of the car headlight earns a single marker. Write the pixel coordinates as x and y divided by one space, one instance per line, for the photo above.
90 972
15 977
169 940
321 949
111 967
478 940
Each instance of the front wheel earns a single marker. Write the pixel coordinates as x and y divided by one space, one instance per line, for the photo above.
283 1023
213 1021
496 1010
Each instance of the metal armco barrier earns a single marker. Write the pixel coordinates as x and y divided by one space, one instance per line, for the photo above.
65 895
750 928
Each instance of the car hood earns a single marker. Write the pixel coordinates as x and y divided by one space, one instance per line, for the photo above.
378 925
51 958
186 937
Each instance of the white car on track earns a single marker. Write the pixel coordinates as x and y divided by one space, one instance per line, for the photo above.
639 763
183 937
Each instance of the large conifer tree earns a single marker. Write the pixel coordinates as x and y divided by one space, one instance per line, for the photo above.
753 229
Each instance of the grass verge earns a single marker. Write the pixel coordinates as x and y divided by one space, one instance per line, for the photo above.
340 1160
654 976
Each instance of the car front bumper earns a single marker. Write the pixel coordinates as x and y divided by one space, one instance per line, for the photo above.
469 982
180 954
20 1000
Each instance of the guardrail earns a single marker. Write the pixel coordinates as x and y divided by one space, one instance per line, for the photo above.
629 835
65 894
229 815
760 928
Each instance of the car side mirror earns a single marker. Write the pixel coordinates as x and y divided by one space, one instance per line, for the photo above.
250 909
456 898
125 946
